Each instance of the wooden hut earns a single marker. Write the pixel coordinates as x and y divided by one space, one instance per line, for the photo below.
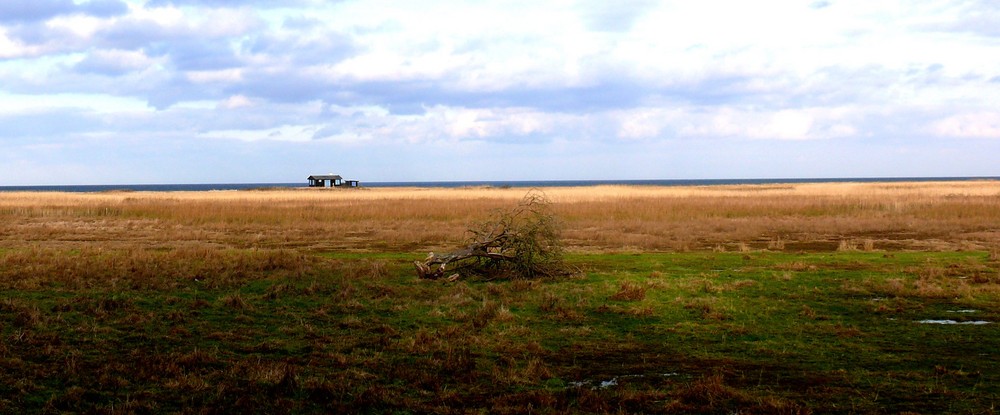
331 180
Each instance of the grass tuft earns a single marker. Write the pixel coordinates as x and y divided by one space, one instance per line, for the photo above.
630 291
776 245
846 246
868 245
237 302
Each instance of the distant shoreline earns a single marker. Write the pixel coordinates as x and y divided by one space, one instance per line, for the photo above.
483 183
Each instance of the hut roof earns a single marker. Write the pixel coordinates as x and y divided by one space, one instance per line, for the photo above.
325 177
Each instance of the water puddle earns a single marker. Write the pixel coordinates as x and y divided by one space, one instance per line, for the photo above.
974 323
950 321
604 384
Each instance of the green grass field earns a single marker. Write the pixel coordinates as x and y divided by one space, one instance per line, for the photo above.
254 331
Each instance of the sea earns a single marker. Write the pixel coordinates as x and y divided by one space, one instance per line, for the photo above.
458 184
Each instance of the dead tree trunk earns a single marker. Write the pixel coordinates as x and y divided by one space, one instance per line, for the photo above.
521 243
435 266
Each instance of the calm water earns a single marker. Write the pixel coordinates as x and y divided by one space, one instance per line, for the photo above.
452 184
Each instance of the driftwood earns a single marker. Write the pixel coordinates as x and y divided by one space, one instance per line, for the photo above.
519 243
435 266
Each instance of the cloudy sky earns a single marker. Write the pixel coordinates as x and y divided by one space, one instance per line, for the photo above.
258 91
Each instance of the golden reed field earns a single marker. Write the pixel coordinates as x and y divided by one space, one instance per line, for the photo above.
935 216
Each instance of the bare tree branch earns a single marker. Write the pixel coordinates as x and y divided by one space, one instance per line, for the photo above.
522 242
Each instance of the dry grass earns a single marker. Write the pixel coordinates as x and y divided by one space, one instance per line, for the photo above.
630 291
40 266
796 217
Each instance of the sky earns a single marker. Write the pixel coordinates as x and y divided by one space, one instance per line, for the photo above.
256 91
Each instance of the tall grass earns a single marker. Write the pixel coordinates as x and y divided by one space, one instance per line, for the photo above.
925 216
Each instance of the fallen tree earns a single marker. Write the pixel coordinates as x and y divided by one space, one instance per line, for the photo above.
523 242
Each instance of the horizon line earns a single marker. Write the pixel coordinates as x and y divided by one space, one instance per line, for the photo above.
769 180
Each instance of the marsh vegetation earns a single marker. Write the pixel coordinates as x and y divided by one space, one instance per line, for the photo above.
810 298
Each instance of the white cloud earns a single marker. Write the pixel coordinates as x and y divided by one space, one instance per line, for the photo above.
974 125
466 123
80 26
33 103
12 48
739 123
115 61
236 102
171 17
434 124
489 74
297 133
215 76
484 46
